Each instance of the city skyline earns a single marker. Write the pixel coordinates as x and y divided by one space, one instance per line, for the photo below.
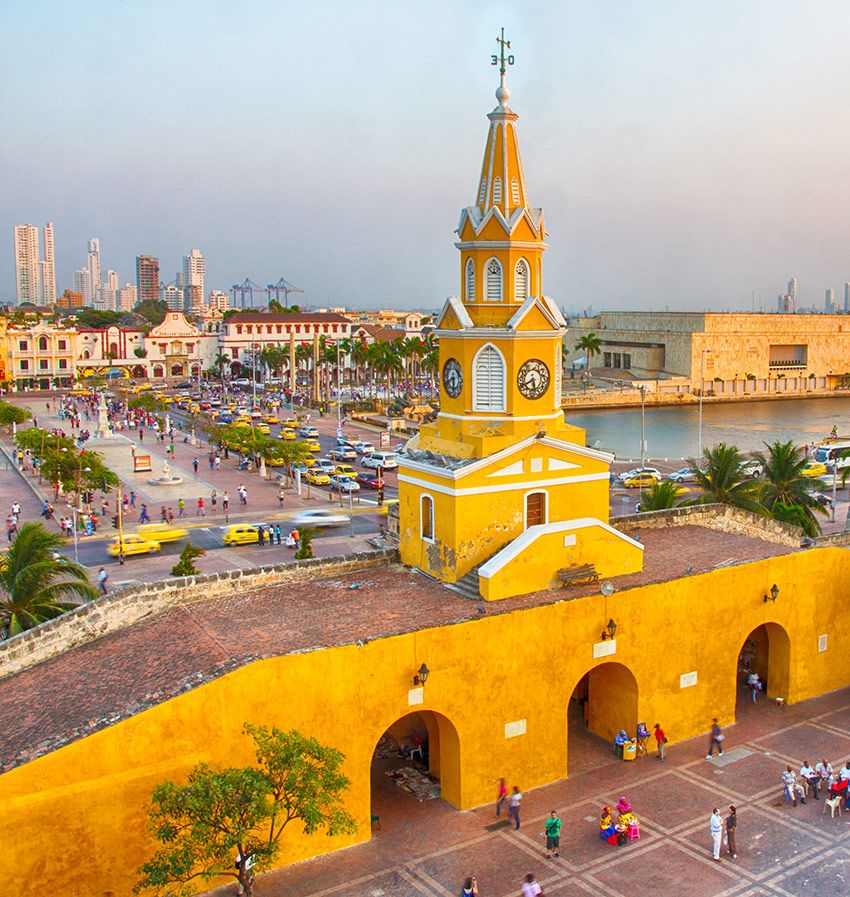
694 191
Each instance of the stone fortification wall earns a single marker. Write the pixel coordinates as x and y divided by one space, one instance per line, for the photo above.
125 606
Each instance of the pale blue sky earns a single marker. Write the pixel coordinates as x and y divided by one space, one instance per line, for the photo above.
685 154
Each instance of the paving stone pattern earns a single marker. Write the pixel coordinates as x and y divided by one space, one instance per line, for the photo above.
426 849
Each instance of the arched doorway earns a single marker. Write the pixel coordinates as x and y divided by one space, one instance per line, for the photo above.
766 651
415 769
603 701
176 370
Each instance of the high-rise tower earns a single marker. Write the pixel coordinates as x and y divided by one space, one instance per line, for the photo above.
500 477
147 278
194 275
48 267
94 266
27 268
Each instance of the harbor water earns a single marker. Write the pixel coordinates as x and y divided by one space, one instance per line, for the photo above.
674 432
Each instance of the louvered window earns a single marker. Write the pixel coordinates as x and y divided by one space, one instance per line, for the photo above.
426 508
494 281
488 380
497 191
514 192
521 281
482 193
470 280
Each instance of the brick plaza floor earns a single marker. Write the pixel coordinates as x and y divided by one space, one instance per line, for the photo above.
427 849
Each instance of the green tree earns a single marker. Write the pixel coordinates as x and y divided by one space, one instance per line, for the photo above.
185 566
723 480
591 345
784 487
152 310
660 496
220 815
97 319
35 585
305 544
13 414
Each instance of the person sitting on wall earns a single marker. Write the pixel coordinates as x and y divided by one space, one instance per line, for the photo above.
619 740
641 736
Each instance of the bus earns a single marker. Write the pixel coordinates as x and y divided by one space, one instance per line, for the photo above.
829 453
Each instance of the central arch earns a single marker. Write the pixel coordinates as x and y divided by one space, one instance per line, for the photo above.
426 743
603 701
766 651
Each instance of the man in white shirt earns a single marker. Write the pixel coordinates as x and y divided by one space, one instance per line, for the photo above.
792 786
824 770
810 776
530 888
715 825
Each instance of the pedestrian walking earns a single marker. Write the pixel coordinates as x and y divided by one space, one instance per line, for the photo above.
144 517
132 499
243 494
102 577
553 835
212 460
218 462
660 740
514 806
715 825
213 500
195 465
163 515
171 515
470 887
501 796
731 825
754 684
225 502
281 494
201 512
715 738
530 887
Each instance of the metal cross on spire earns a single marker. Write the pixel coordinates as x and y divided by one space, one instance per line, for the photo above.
501 59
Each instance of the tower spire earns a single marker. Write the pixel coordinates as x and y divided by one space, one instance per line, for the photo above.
502 92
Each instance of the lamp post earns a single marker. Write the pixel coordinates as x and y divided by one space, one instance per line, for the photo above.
703 353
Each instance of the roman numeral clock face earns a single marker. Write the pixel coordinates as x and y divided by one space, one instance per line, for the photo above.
452 378
533 379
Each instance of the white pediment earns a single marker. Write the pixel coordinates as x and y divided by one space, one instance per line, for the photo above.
559 464
454 303
511 470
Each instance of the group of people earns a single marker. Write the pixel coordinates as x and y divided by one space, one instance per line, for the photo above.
642 736
795 785
617 830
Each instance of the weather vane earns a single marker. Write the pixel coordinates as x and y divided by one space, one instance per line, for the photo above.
501 60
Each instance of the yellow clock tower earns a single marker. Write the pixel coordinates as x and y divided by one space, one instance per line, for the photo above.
500 474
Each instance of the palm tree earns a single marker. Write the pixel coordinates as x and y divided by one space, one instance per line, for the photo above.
723 480
36 586
785 488
592 345
660 496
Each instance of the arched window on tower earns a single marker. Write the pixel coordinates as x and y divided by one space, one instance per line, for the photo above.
470 280
494 281
521 281
488 380
497 191
514 192
482 192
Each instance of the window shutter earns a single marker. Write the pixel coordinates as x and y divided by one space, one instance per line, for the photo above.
470 281
482 193
521 280
514 192
497 191
489 380
494 281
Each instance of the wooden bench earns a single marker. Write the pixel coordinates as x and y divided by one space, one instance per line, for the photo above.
585 573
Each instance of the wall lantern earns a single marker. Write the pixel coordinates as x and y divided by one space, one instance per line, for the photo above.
609 631
774 592
421 675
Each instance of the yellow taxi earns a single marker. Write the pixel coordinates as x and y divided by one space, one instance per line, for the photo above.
193 407
242 419
131 544
317 478
384 508
309 462
814 469
166 400
263 428
290 421
313 445
240 534
243 424
80 391
161 532
345 470
287 434
640 479
271 419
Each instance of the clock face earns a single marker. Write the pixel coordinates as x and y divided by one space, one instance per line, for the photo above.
533 378
452 378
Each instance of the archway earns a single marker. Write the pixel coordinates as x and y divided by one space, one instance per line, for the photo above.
176 370
157 370
767 652
603 701
415 769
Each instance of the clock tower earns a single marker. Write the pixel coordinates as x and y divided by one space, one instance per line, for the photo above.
500 461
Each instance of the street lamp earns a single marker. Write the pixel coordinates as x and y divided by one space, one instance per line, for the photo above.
703 353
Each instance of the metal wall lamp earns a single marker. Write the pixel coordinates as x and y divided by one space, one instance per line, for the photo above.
774 593
421 675
609 631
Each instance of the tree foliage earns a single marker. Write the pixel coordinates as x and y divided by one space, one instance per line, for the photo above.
185 565
785 493
221 815
152 310
660 496
97 318
591 345
61 462
35 585
13 414
723 480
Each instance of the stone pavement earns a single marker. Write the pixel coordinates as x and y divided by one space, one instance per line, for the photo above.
427 849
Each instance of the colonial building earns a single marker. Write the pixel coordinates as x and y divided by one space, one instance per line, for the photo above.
722 352
116 351
177 348
40 355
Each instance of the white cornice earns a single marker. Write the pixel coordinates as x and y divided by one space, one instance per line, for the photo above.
454 303
499 333
524 245
525 308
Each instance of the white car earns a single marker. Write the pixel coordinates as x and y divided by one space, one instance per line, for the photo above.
752 469
627 475
344 484
325 465
686 474
364 448
319 517
308 432
384 460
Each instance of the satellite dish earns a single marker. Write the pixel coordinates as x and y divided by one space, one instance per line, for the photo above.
607 589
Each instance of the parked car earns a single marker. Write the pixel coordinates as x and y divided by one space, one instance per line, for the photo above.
318 518
654 471
364 448
344 484
308 432
384 460
684 475
317 477
369 480
755 470
643 479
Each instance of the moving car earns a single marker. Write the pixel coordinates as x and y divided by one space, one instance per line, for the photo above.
346 470
132 544
814 469
263 428
644 479
313 445
370 480
364 448
326 464
384 460
271 419
287 434
343 453
636 470
309 432
685 475
240 534
317 477
319 517
344 484
161 532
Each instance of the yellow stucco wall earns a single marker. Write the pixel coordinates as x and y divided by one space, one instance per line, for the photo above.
91 794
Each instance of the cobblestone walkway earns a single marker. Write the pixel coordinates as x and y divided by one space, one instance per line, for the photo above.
429 848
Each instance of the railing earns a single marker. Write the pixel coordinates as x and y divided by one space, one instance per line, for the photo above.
787 365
